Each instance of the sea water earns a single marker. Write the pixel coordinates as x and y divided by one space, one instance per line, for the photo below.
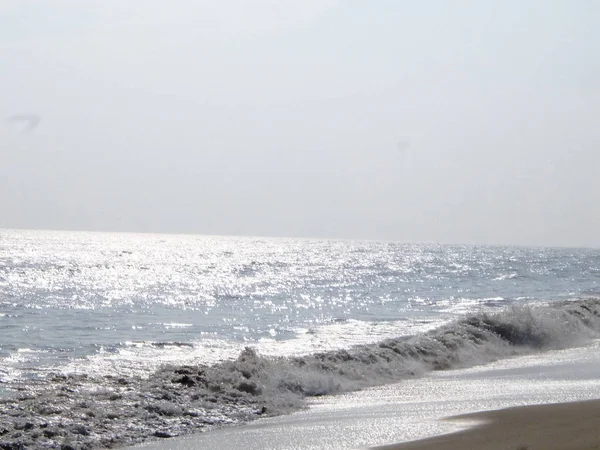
111 339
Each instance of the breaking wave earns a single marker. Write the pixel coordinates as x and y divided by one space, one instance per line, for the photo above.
112 411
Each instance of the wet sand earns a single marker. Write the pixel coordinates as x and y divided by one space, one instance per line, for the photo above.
561 426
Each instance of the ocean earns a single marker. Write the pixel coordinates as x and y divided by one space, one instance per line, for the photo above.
113 339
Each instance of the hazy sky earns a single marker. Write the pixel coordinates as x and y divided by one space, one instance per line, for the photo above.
449 121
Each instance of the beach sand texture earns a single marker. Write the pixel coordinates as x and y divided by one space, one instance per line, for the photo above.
562 426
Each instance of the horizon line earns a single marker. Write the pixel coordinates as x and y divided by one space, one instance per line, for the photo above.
301 237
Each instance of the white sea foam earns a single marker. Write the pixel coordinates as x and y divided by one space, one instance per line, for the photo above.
177 325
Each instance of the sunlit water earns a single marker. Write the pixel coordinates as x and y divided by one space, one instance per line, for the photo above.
115 339
131 302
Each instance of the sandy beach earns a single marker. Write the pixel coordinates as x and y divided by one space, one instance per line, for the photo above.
562 426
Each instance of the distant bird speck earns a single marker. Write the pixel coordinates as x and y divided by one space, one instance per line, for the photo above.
403 145
30 121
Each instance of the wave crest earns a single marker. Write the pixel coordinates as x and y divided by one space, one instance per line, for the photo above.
282 382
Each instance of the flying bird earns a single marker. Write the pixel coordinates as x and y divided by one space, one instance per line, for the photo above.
31 121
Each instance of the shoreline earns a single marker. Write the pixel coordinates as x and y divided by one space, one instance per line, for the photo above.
430 412
556 426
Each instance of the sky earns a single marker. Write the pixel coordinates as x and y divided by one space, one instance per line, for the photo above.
462 121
